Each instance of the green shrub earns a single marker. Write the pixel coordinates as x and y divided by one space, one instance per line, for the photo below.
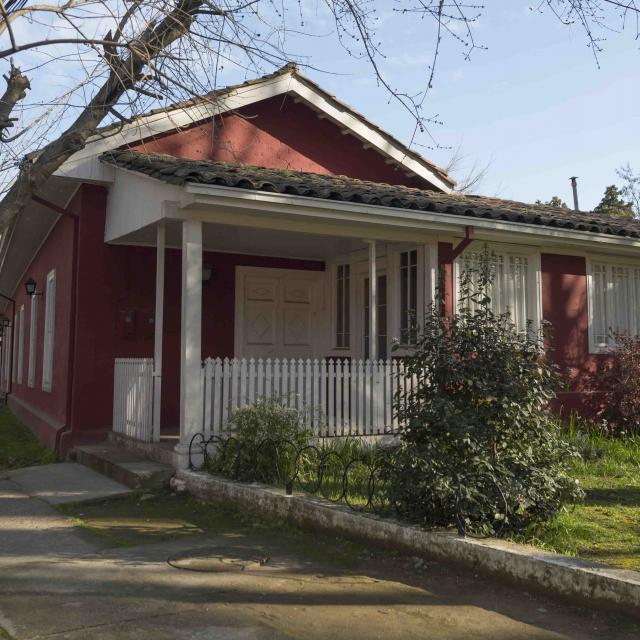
615 387
263 443
480 449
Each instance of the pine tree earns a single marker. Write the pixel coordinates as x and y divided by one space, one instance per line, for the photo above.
556 201
613 204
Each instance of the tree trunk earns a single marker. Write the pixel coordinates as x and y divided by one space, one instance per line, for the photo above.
125 72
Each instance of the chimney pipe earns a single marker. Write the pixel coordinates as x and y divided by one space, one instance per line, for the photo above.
574 186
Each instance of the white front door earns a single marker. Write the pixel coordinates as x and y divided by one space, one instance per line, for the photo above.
277 313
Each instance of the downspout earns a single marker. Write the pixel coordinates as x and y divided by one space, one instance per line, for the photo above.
13 330
72 320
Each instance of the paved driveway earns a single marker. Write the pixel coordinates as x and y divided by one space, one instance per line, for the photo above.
259 583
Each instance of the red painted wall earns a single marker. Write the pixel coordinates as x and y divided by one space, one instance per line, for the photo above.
445 275
279 133
45 411
118 280
564 305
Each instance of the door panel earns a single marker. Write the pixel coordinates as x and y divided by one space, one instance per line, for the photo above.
260 323
296 326
261 288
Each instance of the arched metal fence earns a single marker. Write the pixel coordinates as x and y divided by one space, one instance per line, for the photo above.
359 479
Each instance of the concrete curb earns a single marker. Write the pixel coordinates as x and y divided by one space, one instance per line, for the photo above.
571 578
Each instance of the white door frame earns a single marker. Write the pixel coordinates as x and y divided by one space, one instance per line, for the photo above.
319 335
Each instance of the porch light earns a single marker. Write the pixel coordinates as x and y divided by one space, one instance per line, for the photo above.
30 286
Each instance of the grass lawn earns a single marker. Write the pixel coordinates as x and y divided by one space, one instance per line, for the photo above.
18 446
606 527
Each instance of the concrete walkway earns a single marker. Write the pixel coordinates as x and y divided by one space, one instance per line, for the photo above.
54 583
66 482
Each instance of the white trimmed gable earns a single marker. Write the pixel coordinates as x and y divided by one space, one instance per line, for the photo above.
84 165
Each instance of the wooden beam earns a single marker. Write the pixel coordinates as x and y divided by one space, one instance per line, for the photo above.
469 237
54 207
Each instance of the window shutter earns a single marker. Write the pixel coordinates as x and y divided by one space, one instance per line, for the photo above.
33 336
20 366
49 332
14 374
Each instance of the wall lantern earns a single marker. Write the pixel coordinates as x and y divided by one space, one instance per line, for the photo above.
30 287
207 273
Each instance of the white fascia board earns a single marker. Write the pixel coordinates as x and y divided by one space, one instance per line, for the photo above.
369 135
199 196
135 201
159 123
89 169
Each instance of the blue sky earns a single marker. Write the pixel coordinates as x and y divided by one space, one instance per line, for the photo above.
534 104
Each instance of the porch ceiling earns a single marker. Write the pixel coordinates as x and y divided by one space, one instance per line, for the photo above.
254 241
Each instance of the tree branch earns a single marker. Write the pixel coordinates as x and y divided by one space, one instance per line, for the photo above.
17 87
123 76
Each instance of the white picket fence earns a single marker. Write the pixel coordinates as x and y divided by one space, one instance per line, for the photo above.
133 398
338 397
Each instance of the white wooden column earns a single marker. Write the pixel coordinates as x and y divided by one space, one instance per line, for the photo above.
373 302
159 331
191 400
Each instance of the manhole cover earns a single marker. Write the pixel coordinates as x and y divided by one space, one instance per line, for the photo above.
215 563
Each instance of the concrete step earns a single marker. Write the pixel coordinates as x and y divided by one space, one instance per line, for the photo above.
124 466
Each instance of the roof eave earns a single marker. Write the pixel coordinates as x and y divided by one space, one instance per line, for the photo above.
500 230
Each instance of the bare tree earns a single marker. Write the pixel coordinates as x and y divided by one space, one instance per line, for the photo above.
630 189
469 175
73 65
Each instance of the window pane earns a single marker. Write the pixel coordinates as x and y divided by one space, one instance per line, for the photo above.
342 305
599 311
509 287
382 317
408 296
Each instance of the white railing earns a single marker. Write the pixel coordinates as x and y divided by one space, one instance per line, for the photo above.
133 398
338 397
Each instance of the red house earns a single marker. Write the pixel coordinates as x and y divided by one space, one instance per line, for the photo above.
264 240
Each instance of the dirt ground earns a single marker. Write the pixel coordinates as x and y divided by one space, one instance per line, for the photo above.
166 566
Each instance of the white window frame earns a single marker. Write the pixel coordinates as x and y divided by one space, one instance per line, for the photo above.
387 262
20 366
594 346
49 331
427 267
534 275
7 346
14 346
334 306
33 338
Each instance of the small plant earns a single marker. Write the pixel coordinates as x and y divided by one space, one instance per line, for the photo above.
615 387
263 443
480 449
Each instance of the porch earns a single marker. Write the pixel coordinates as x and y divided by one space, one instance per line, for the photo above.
280 302
303 333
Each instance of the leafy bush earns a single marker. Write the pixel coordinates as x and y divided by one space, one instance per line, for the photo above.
260 446
616 387
479 449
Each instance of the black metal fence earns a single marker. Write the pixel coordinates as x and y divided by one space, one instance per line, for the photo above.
351 475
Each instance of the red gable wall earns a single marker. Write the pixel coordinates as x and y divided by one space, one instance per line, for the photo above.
278 133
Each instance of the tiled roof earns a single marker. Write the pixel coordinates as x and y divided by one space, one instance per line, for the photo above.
180 171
